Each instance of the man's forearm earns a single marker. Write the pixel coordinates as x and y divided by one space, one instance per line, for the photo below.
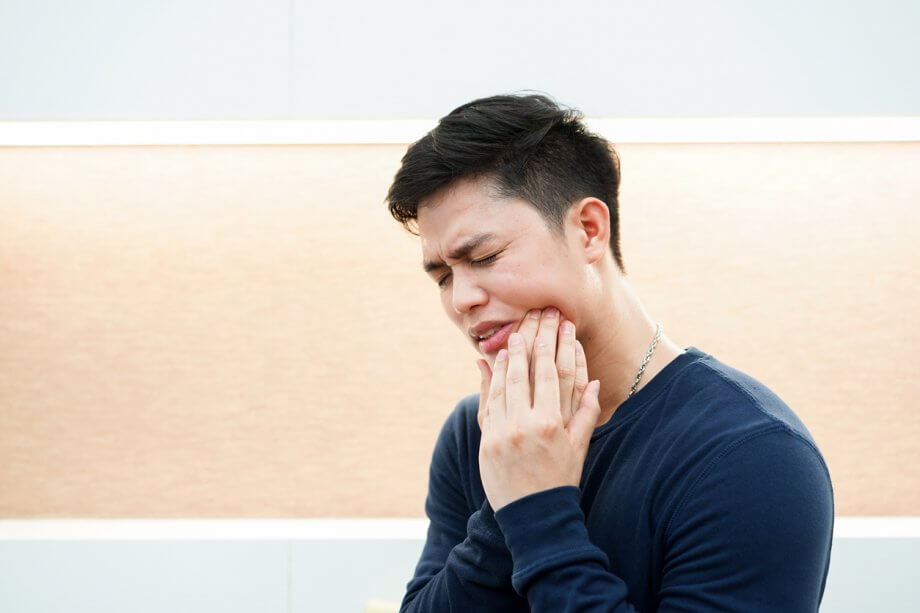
475 576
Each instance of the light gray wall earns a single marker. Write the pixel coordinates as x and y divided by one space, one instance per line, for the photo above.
329 576
365 59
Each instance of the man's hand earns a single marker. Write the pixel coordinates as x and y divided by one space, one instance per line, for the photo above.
571 386
535 435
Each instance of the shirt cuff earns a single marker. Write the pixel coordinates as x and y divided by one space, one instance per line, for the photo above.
485 524
544 531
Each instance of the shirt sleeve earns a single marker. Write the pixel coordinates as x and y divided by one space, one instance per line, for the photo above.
465 565
555 565
752 534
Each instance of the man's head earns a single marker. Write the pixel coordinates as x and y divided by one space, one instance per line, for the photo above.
516 205
527 146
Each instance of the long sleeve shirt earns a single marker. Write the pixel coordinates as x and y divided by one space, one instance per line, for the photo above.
703 492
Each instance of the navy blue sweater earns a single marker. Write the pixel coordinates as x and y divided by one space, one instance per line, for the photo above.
703 492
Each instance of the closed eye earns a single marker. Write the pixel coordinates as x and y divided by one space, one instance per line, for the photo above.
484 261
442 282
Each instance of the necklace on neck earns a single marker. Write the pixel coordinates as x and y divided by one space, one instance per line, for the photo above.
648 356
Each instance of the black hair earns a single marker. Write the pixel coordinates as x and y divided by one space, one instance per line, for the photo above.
528 145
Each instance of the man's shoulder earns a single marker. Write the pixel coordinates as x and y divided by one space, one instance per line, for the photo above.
731 399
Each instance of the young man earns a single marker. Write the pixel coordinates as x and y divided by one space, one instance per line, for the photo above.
669 482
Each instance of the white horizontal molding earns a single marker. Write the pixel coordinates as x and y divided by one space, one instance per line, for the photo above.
877 527
212 529
376 132
322 529
97 133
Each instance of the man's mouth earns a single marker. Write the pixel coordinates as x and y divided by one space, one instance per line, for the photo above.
496 338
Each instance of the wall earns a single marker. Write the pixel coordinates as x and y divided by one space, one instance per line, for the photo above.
244 332
359 59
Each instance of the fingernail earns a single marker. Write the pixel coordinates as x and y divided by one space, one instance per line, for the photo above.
534 314
515 340
551 312
578 347
568 327
502 355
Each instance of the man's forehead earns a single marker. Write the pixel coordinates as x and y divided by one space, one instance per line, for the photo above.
446 236
446 222
464 216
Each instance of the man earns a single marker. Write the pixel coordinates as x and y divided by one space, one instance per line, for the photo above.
669 482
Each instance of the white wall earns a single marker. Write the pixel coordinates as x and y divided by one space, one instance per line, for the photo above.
296 59
327 576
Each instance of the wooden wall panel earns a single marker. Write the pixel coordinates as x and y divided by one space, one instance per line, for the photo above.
244 332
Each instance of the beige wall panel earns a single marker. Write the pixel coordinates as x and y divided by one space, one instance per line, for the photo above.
244 331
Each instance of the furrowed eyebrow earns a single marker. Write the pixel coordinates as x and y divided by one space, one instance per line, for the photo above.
460 252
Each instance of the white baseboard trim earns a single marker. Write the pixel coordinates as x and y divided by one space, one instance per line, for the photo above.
323 529
372 132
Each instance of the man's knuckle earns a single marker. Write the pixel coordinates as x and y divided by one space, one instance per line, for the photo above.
546 428
516 376
566 372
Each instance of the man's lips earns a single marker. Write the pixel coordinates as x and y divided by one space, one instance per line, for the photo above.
497 340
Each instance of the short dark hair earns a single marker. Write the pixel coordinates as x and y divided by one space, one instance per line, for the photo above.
528 145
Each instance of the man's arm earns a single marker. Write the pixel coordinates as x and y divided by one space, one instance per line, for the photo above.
753 534
465 564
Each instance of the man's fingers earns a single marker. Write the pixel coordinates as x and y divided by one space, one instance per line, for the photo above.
517 383
546 380
581 376
497 398
565 367
484 383
585 419
528 330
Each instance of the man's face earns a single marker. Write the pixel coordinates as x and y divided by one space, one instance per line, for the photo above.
513 262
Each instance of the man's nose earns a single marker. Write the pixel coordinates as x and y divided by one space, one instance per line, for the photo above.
466 293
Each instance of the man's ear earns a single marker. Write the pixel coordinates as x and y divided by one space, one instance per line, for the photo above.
591 219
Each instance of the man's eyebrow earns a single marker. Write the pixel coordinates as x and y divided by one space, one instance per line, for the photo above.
460 252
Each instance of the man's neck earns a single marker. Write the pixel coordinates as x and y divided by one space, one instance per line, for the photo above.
622 333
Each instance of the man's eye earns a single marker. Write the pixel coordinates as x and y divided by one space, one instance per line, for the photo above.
484 261
442 282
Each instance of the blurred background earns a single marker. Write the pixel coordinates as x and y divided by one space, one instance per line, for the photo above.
222 370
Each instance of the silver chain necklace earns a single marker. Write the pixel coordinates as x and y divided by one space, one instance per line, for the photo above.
648 356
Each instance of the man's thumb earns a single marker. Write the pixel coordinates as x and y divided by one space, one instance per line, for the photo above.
585 418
